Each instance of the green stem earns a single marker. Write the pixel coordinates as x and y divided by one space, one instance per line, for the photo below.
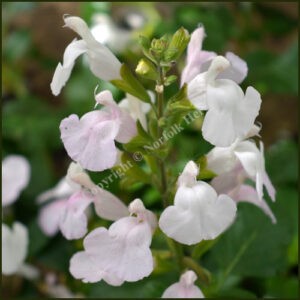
176 248
160 112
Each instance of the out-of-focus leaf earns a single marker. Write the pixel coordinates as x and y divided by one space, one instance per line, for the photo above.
253 235
282 287
282 162
37 239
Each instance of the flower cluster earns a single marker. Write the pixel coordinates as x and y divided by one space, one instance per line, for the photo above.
200 210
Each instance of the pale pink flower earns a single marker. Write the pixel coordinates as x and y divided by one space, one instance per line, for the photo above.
222 160
185 288
103 63
15 177
121 253
91 139
232 183
198 212
198 61
67 211
230 112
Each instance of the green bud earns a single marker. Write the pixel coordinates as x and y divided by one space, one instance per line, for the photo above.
177 45
158 47
170 79
146 69
146 44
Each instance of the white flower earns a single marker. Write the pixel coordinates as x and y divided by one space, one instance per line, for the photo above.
14 247
121 253
136 108
103 63
222 160
230 113
185 288
198 212
15 177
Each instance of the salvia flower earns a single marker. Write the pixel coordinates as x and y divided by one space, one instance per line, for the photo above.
121 253
103 63
224 159
67 211
233 184
185 288
15 177
198 212
230 112
14 247
90 140
198 61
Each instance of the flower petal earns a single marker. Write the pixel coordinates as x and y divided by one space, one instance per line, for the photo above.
221 160
196 92
197 214
237 71
90 140
14 247
177 290
108 206
246 111
15 177
195 56
127 128
189 174
185 288
218 128
61 190
247 193
103 62
269 186
63 71
82 267
49 216
123 250
73 221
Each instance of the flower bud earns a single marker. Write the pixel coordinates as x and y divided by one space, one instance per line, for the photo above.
146 69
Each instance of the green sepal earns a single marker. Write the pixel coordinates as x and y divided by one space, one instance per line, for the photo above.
146 69
170 79
177 108
203 247
146 44
204 174
131 85
139 141
134 173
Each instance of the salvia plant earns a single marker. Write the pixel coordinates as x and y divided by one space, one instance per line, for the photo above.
133 138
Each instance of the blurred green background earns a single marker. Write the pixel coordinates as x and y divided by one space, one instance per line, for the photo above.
253 258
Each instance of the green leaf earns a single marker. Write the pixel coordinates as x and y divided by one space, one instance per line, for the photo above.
146 44
261 246
139 141
131 85
178 107
135 172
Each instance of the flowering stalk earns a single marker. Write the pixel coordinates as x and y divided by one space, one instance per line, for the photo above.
160 103
202 209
